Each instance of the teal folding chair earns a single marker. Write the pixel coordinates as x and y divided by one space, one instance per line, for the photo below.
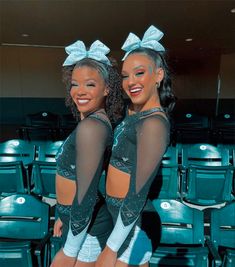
182 240
167 181
23 231
222 232
207 175
16 157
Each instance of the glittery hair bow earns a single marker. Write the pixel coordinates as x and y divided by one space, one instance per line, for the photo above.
150 40
77 51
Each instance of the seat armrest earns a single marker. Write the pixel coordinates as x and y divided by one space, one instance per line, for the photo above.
39 248
183 176
42 244
214 252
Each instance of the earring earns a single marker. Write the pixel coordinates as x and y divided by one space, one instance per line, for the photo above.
158 84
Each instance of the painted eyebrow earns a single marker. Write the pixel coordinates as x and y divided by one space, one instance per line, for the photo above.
135 68
140 66
90 80
86 80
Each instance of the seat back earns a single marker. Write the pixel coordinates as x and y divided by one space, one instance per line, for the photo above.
223 128
47 150
17 150
44 169
223 232
180 224
43 179
223 226
67 124
167 183
23 218
16 156
16 254
42 125
233 163
204 154
182 236
42 119
209 175
190 128
12 178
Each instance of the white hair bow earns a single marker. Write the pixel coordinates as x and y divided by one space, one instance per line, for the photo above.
150 40
77 51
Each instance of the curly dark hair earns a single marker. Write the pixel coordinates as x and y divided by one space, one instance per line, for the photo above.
114 104
166 94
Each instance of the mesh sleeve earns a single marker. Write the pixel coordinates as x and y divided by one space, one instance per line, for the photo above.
92 137
152 140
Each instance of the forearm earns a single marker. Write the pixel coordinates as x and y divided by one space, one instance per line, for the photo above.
73 243
119 234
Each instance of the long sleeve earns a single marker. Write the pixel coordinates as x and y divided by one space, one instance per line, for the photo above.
92 137
152 137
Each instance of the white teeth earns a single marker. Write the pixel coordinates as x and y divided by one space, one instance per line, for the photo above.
135 90
83 101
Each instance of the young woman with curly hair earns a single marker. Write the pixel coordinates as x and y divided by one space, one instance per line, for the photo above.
94 96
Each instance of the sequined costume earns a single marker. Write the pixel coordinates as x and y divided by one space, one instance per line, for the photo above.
140 141
81 158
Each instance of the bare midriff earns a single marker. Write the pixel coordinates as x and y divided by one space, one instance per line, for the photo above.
65 190
117 183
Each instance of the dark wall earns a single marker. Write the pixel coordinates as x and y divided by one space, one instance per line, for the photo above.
14 109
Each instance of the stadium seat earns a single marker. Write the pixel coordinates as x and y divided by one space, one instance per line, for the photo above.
42 125
190 128
17 150
43 179
182 236
16 157
207 175
44 169
12 178
23 231
223 128
47 150
67 125
167 182
223 233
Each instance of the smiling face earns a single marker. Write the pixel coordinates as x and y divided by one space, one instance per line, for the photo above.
140 77
88 90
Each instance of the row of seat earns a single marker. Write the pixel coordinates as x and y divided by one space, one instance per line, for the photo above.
28 167
46 125
183 241
191 128
24 231
28 240
186 127
25 218
202 174
223 120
